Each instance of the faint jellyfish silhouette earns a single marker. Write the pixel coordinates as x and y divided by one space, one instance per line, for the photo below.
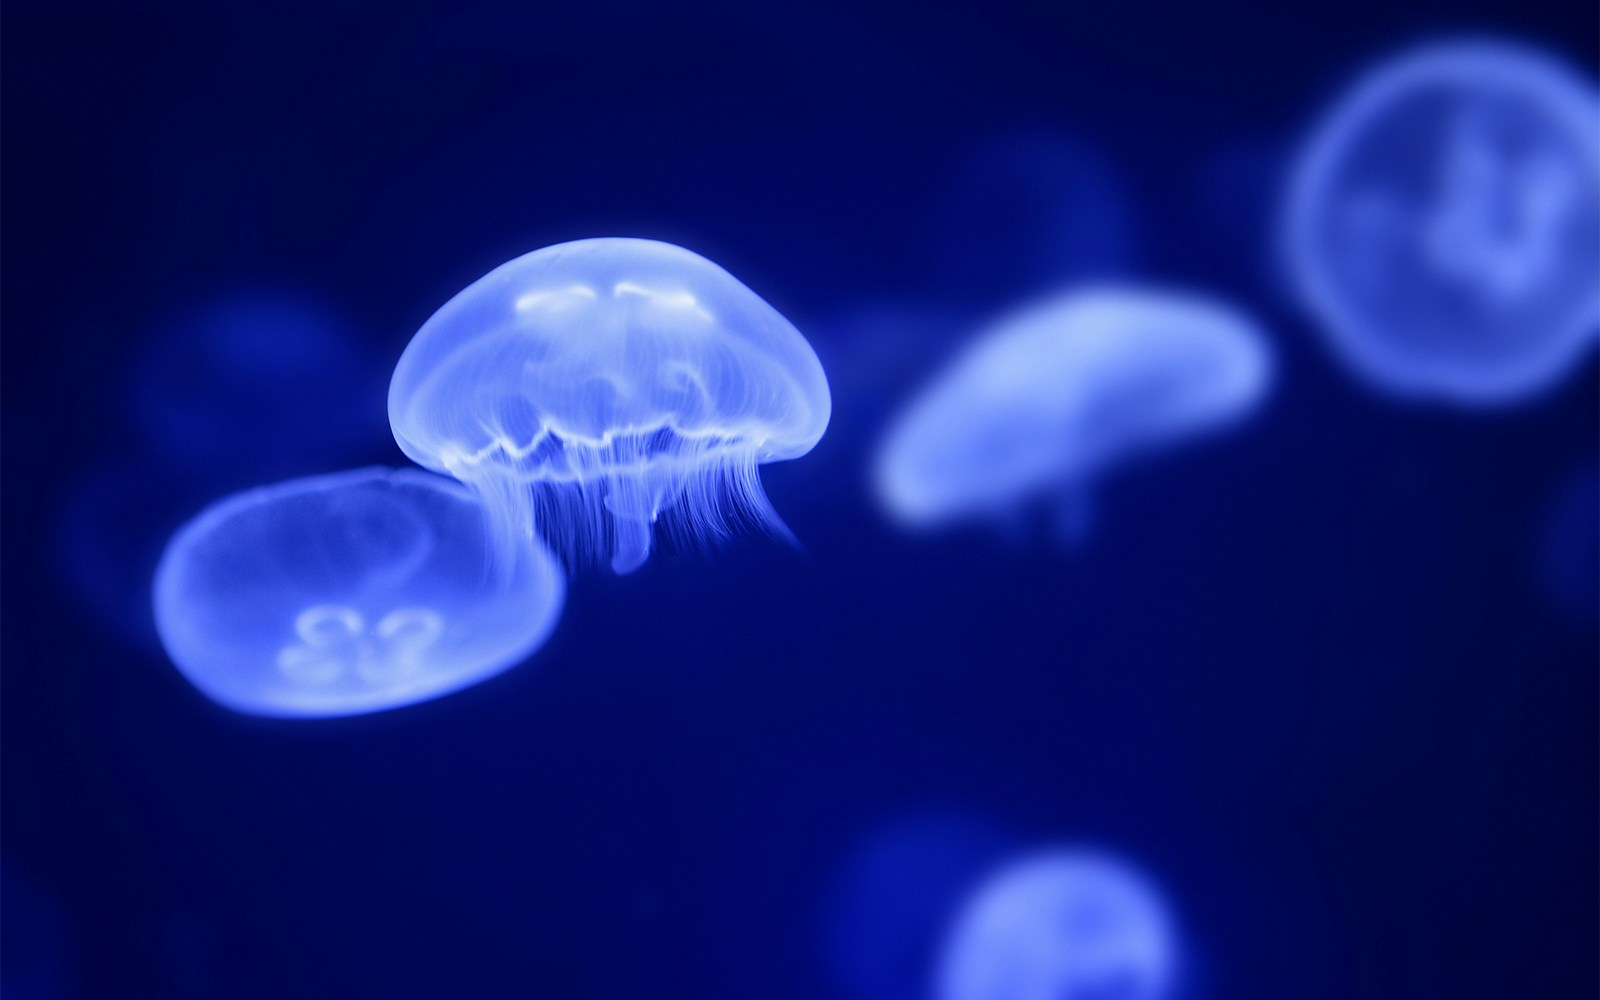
892 898
349 593
112 525
1569 546
275 368
1443 223
1062 924
1053 395
602 383
1026 212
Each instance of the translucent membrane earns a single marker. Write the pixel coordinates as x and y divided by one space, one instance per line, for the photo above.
349 593
1052 395
1443 223
1063 923
593 387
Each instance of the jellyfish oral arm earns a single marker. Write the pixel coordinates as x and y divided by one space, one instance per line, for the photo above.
633 517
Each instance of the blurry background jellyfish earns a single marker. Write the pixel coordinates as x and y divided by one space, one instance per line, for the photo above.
1568 547
593 386
348 593
1443 223
1063 924
1052 395
1027 211
260 380
892 898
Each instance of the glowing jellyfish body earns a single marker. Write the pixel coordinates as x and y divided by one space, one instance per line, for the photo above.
1443 223
1061 925
593 386
348 593
1051 396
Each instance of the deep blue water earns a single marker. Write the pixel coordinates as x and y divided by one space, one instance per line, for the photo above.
1327 678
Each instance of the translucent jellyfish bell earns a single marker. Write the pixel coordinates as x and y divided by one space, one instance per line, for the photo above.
1051 396
1443 223
349 593
606 382
1062 923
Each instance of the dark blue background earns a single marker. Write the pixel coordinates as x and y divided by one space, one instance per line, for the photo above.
1309 676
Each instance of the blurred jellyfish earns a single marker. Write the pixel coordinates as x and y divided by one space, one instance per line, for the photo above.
261 380
1061 925
111 527
1443 223
348 593
1051 396
1026 212
893 897
1569 546
602 383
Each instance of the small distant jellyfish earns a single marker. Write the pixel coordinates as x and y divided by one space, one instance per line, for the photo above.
1052 396
349 593
278 369
1442 225
592 387
891 898
1568 548
1025 212
1063 924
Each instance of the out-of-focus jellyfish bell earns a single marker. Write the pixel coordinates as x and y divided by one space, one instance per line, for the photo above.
1569 546
1443 223
1026 212
1061 924
264 381
1051 396
349 593
604 382
893 896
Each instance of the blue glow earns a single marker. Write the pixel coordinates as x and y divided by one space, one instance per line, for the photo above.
1443 223
1061 924
1048 398
593 386
348 593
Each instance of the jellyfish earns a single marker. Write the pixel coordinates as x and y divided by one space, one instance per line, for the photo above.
1442 225
886 907
1052 395
1061 924
277 368
593 386
349 593
1568 546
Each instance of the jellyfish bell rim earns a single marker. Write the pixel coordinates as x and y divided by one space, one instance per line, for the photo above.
809 392
541 620
1562 91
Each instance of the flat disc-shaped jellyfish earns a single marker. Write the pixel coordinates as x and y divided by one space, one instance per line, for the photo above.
1443 223
1061 925
1052 395
349 593
604 382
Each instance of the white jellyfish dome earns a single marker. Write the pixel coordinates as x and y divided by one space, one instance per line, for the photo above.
1061 923
1051 396
594 385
